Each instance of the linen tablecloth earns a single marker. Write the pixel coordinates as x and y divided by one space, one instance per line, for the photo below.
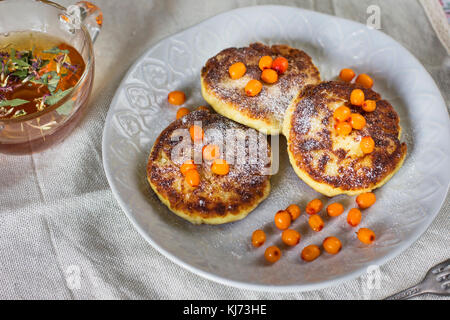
64 236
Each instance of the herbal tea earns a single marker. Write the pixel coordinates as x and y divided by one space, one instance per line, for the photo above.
37 72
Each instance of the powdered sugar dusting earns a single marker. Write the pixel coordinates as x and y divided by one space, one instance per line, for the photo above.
245 150
335 159
273 100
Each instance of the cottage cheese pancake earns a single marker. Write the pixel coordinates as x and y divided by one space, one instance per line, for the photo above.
335 164
264 111
218 198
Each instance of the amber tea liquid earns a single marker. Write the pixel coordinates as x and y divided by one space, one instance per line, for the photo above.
38 72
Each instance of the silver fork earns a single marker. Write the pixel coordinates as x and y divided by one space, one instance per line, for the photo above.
436 281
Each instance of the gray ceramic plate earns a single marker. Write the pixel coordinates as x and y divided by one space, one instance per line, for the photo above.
406 205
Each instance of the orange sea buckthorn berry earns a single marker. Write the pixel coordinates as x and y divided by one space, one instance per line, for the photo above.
196 133
182 112
192 177
343 128
204 108
335 209
265 62
366 235
332 245
49 67
253 87
211 152
369 105
357 121
314 206
342 113
354 217
237 70
364 80
258 238
269 76
176 97
310 253
272 254
316 222
367 144
290 237
282 219
220 167
357 97
347 74
280 65
366 200
294 211
188 165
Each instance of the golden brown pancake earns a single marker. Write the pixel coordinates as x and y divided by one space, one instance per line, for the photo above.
219 198
265 111
333 164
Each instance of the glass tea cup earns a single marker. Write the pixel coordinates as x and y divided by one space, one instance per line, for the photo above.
78 26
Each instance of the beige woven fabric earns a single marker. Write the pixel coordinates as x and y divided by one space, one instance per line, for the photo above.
62 233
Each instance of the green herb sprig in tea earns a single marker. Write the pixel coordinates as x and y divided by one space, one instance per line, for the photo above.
35 78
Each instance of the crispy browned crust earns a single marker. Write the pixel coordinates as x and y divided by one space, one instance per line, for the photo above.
217 196
382 125
264 106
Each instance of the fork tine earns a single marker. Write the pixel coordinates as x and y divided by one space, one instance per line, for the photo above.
442 275
446 285
440 267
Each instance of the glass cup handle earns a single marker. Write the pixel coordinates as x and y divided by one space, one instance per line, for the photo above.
83 13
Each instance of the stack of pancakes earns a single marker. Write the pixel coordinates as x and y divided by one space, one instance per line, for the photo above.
300 107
